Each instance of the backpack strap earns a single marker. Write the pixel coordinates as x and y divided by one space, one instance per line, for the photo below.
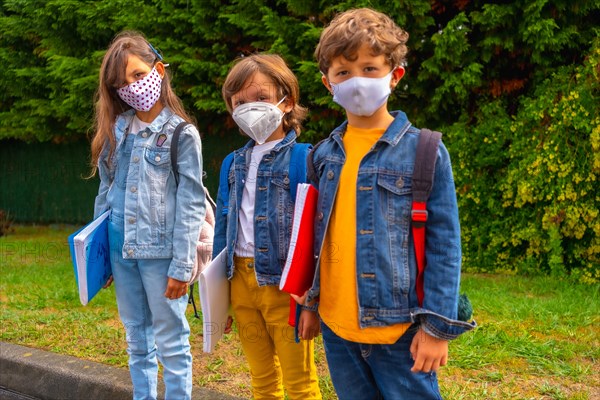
224 182
422 182
297 170
174 149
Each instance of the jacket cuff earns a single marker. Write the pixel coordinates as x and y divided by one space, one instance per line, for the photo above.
180 271
441 327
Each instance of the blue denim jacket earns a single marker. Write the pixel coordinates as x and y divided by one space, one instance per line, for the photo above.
274 208
162 219
385 259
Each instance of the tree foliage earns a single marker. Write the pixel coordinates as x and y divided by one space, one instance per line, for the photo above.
489 74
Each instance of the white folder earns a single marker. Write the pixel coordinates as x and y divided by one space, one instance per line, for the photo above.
214 299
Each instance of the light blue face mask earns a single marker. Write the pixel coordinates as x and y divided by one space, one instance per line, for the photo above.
362 96
258 119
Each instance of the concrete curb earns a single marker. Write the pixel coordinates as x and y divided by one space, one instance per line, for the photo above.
38 374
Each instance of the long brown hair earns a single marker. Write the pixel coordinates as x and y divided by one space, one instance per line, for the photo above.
275 68
112 74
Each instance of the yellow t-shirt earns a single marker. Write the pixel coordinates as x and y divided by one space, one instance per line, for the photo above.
338 305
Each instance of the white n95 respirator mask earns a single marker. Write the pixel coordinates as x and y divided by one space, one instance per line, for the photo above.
258 119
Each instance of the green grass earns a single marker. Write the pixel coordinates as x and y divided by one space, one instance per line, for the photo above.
538 338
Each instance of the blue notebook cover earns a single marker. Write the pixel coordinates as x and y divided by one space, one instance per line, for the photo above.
91 257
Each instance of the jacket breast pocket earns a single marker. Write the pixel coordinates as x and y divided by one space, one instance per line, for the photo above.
395 196
158 162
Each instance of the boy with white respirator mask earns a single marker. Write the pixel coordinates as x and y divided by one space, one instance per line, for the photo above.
253 222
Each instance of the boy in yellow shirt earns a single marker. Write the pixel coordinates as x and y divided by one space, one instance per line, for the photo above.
377 336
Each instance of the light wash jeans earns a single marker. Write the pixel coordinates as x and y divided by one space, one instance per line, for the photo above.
377 371
155 326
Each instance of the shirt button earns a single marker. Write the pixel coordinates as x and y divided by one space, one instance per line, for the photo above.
133 189
157 158
144 134
330 175
136 159
132 220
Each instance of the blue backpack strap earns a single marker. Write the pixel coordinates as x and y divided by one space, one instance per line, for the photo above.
297 171
224 182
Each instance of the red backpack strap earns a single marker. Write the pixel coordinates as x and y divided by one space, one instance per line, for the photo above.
422 182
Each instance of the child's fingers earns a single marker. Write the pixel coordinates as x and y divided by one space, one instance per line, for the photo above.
108 282
300 299
228 324
175 289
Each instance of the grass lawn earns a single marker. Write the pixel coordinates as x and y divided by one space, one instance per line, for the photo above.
538 338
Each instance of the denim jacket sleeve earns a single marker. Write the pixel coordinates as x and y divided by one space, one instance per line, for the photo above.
438 315
100 204
190 205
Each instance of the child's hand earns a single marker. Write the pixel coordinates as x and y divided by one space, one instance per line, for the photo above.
309 326
108 282
428 352
228 325
175 289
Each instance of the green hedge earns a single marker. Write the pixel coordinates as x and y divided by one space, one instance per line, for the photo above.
512 84
529 184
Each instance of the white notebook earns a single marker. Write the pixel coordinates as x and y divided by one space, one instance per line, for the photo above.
213 286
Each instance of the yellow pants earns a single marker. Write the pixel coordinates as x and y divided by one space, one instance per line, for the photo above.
261 314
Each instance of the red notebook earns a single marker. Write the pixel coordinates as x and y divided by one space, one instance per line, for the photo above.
299 269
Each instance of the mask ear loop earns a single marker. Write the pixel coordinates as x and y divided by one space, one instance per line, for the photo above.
281 101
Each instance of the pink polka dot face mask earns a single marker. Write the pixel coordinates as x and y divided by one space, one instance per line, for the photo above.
144 93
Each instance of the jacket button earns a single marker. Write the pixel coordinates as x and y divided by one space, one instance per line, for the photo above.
132 220
157 158
320 216
133 189
330 175
136 159
144 134
130 252
400 182
286 180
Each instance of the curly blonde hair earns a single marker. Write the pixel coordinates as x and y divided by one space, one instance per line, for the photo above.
348 31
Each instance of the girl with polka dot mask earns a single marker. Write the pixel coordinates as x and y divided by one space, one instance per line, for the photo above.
154 221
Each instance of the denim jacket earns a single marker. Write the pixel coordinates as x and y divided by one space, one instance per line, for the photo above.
274 208
162 219
385 258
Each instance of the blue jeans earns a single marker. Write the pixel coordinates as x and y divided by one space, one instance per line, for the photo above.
155 326
376 371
